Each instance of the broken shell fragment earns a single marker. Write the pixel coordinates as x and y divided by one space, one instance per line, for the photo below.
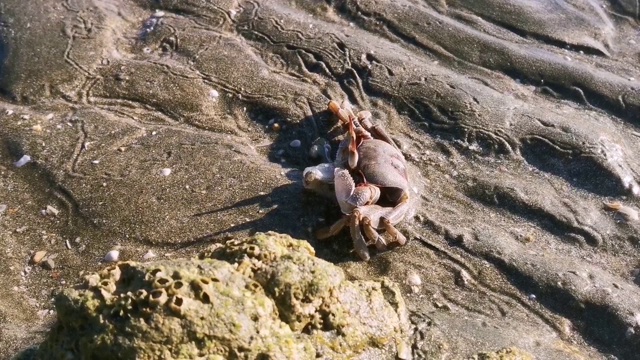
38 256
24 160
413 279
50 210
627 212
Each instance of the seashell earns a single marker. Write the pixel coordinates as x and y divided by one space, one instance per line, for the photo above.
112 256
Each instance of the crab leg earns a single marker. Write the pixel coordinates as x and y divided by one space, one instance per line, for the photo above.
342 114
373 236
359 244
393 217
395 235
353 147
377 131
332 230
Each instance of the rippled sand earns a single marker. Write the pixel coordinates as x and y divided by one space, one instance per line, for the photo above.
522 118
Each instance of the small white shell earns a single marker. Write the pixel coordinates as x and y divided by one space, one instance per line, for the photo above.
112 256
413 279
149 255
50 210
165 172
24 160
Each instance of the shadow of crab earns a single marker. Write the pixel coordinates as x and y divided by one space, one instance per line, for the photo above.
288 209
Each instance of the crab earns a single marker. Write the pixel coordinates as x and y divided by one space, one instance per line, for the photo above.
380 199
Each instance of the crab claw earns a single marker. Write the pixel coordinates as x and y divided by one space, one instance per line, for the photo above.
349 195
344 187
319 179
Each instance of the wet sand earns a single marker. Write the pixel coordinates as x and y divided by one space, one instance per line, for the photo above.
520 118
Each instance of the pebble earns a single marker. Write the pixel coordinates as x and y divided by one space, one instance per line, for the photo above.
214 94
49 116
21 229
38 256
3 208
629 333
295 143
9 112
165 172
48 264
24 160
112 256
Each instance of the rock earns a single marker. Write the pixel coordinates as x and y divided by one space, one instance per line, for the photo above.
263 296
48 264
504 354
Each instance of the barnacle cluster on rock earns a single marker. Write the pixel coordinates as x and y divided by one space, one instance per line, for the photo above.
266 296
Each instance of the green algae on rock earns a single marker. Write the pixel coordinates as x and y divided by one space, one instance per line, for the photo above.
264 296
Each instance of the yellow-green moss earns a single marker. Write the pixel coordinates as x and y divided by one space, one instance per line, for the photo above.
267 295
